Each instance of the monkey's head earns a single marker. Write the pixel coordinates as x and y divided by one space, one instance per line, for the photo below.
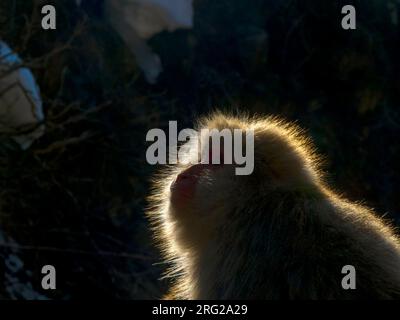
198 200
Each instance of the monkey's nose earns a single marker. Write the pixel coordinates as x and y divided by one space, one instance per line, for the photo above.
185 181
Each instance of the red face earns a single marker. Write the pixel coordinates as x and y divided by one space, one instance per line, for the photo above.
197 196
184 187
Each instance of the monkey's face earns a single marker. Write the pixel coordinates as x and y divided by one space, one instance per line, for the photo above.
202 195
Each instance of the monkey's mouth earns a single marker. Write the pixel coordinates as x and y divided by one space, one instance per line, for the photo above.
185 182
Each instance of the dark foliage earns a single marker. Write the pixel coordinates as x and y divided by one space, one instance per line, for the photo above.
76 198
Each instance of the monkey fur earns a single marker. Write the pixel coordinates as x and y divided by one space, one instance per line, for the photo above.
279 233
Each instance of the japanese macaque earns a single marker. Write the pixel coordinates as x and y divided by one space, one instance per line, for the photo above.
278 233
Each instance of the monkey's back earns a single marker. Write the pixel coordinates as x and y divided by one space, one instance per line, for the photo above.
293 245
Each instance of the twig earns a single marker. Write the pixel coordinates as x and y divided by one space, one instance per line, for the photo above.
62 144
74 251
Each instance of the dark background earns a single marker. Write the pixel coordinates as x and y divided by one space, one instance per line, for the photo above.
78 204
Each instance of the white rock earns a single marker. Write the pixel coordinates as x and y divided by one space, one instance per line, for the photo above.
138 20
17 279
20 101
149 17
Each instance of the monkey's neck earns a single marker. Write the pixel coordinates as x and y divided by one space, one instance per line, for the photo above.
205 282
231 267
214 274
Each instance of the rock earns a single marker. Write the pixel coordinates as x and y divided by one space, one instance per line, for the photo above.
20 101
136 21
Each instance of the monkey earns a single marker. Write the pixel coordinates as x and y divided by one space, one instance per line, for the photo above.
279 233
